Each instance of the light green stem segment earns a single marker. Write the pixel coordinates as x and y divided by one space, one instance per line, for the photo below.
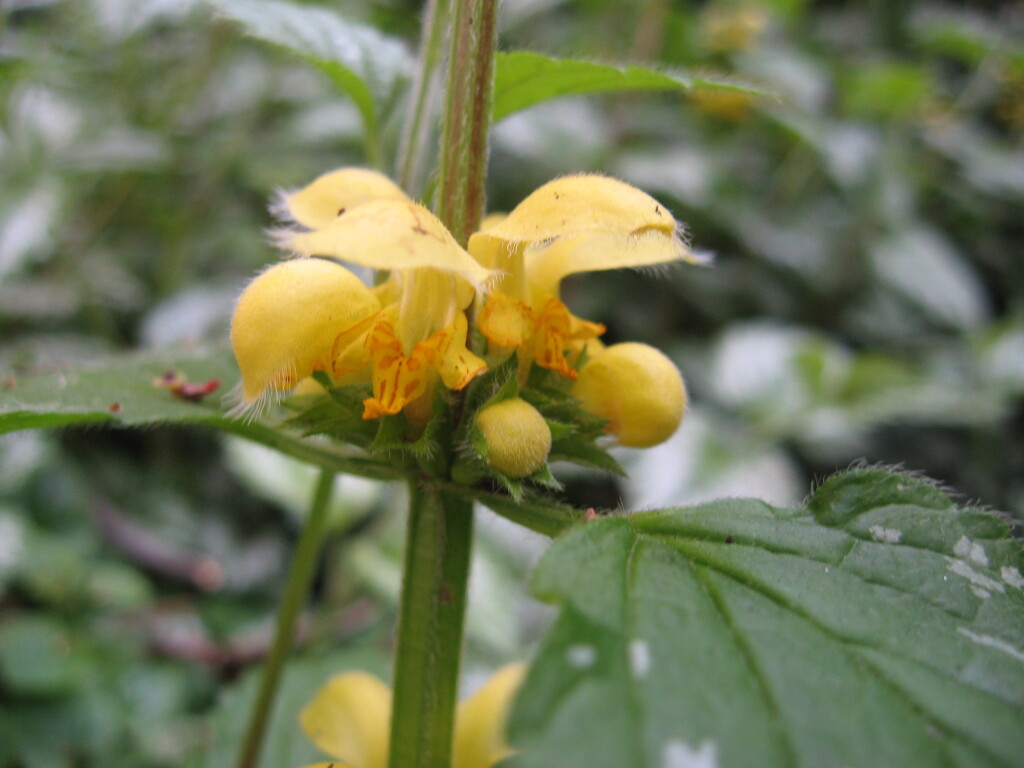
296 590
422 114
437 556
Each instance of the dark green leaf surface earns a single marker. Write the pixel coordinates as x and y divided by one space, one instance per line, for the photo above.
121 393
880 625
357 57
524 79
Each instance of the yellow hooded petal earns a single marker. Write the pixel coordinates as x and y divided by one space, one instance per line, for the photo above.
334 193
580 223
597 252
287 319
583 203
392 235
350 719
481 720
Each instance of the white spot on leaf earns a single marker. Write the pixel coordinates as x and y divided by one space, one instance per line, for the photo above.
960 568
678 754
886 535
984 594
993 642
639 658
970 550
581 656
1012 576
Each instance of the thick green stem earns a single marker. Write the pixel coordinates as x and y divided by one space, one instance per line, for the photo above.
420 118
437 553
467 118
296 590
440 528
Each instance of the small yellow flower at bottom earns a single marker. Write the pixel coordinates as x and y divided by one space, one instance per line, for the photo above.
637 389
350 720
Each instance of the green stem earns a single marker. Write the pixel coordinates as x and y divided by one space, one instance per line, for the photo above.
296 590
437 555
440 529
422 104
467 118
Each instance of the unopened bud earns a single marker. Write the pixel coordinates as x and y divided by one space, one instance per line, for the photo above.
637 389
518 438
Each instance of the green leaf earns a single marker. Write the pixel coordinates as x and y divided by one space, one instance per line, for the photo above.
523 79
358 58
120 392
541 515
35 655
581 451
338 414
879 625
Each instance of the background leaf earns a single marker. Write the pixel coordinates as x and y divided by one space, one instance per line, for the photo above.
360 59
880 624
523 79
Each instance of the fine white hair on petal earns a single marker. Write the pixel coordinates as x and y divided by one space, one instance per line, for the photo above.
254 409
488 283
283 239
703 258
279 207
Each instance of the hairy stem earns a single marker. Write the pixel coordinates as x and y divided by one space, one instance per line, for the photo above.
467 119
434 584
296 590
440 529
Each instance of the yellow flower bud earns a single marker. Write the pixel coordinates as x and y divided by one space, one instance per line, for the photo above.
637 389
287 319
518 438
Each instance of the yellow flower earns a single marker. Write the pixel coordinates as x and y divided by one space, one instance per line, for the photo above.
420 334
307 315
409 333
286 322
583 223
350 716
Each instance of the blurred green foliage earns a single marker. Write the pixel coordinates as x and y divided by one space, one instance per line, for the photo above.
866 303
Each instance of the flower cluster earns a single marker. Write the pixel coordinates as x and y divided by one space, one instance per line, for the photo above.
410 335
